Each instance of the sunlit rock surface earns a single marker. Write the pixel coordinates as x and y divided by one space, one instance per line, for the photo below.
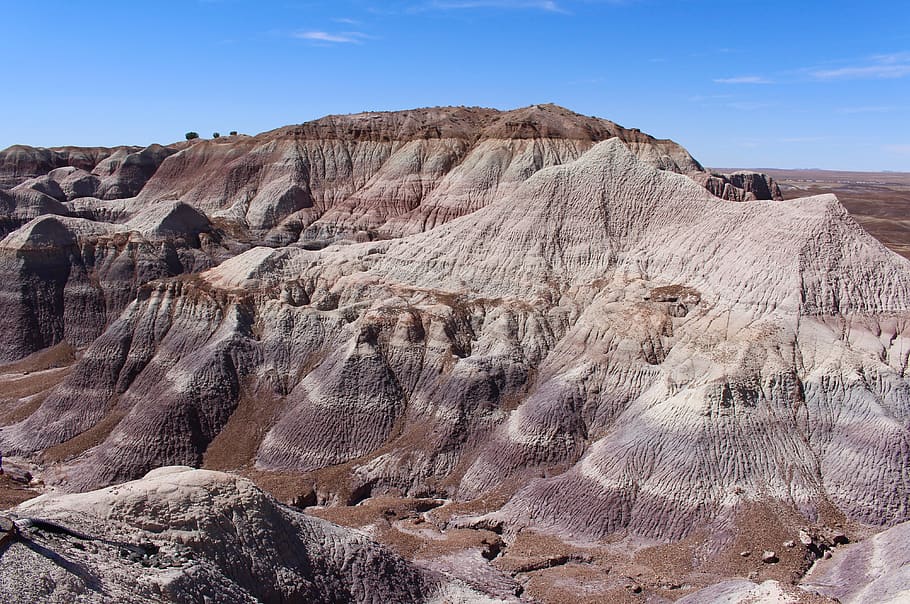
184 535
458 303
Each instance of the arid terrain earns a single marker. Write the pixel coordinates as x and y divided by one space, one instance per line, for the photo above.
449 355
880 201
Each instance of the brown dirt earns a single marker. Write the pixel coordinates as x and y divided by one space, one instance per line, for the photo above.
236 445
287 487
12 493
574 583
25 383
61 355
83 442
396 521
563 572
764 526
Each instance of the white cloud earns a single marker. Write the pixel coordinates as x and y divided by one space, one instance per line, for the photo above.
544 5
347 37
894 57
750 105
879 72
878 67
804 139
869 109
744 80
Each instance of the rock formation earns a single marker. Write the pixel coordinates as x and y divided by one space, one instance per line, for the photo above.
536 308
21 162
876 570
65 278
184 535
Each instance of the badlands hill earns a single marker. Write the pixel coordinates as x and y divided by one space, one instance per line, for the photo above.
554 327
184 535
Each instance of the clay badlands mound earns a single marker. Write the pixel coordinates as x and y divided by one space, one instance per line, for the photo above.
524 355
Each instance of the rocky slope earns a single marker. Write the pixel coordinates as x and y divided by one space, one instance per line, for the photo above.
20 163
183 535
876 570
65 278
364 176
391 174
549 319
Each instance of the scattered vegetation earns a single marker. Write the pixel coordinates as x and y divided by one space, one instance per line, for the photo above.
216 134
191 135
233 133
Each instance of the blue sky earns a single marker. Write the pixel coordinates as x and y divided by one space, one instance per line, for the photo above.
739 83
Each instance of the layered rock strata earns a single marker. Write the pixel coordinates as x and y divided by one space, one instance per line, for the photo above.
535 308
183 535
660 356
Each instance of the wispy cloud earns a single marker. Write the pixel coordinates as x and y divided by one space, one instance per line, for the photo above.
586 81
898 149
346 21
750 105
869 109
877 67
751 79
347 37
545 5
702 98
894 57
878 72
804 139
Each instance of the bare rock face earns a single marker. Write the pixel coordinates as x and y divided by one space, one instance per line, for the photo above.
531 307
66 278
183 535
608 318
21 162
63 184
121 178
19 206
382 174
740 186
387 173
115 174
876 570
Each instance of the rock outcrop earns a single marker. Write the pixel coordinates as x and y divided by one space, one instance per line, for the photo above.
107 174
66 278
183 535
19 206
532 307
367 176
607 318
389 173
739 186
876 570
21 162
